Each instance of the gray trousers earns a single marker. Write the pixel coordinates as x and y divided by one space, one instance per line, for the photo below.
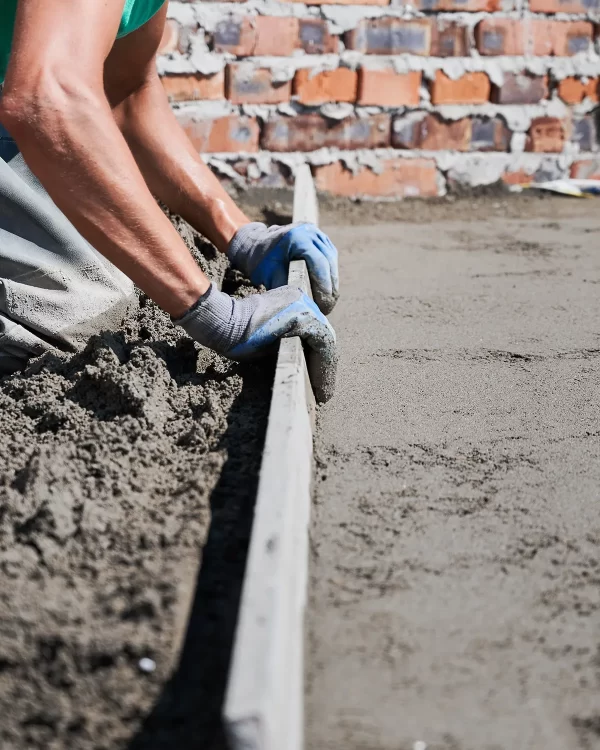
56 290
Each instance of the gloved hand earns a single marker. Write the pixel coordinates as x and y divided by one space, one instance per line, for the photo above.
243 329
264 254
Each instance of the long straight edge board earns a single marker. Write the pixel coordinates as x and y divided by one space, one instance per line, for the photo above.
264 702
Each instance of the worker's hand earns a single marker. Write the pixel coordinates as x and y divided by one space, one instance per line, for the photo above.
243 329
264 254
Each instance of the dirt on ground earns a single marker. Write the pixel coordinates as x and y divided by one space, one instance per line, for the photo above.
455 575
115 463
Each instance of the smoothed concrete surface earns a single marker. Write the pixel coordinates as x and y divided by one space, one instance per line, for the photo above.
455 575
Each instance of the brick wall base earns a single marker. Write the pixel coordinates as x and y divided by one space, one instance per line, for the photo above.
388 173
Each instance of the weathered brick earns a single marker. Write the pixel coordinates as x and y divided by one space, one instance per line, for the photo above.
245 84
233 133
460 5
181 88
311 132
564 6
471 88
573 37
560 38
521 88
430 132
500 36
386 88
489 134
257 35
585 133
586 169
337 85
397 178
235 35
314 37
546 135
449 39
391 36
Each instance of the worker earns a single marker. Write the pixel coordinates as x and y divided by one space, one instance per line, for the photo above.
87 143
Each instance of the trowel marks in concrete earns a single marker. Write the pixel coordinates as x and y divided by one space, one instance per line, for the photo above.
113 463
455 583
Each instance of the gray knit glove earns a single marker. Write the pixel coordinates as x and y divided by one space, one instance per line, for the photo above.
244 329
264 254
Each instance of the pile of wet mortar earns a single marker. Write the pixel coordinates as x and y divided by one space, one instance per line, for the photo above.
123 468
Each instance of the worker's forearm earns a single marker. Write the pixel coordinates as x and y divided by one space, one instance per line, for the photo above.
73 145
173 169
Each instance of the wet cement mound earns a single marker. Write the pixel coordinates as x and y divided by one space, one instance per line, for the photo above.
122 467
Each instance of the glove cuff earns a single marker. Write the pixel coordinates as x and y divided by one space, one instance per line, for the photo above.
209 320
243 243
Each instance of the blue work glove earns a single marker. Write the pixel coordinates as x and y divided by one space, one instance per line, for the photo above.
244 329
264 253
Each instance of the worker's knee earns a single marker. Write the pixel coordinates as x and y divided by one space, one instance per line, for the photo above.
55 289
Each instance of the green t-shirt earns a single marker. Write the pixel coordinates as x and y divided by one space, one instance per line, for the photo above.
135 14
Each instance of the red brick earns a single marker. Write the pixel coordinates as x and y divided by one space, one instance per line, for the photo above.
246 84
560 38
275 35
500 36
311 132
564 6
574 90
233 133
520 177
472 88
398 178
181 88
391 36
449 39
337 85
546 135
314 37
386 88
521 88
257 35
588 169
430 132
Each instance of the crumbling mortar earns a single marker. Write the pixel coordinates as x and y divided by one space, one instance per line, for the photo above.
201 60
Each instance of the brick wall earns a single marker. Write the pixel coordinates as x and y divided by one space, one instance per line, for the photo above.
387 99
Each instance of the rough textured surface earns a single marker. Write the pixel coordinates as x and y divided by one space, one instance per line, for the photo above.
456 536
115 462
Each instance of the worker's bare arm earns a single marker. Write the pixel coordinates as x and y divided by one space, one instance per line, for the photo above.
170 164
55 106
